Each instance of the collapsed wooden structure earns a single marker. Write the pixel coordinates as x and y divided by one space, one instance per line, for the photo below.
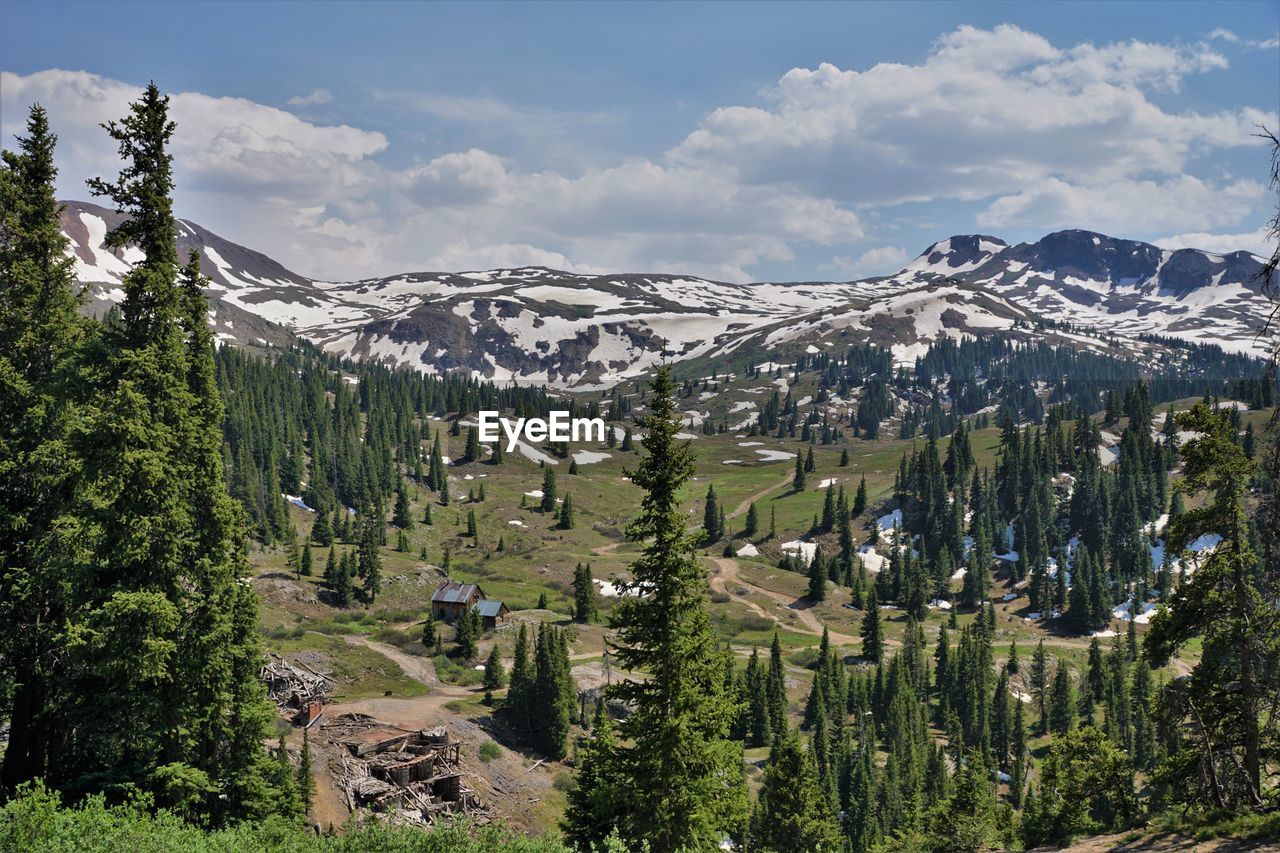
406 775
300 693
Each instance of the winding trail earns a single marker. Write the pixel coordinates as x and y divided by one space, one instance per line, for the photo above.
408 711
750 499
802 607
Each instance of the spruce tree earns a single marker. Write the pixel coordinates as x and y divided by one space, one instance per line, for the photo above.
370 565
752 524
872 639
792 812
162 688
430 635
1223 603
402 516
1062 710
520 681
548 489
680 777
494 675
860 498
817 576
584 594
592 810
41 334
566 513
306 778
1038 681
465 635
711 516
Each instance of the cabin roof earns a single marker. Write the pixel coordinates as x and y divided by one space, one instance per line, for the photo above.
490 607
452 592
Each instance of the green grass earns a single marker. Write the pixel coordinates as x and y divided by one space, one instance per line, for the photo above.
360 672
452 671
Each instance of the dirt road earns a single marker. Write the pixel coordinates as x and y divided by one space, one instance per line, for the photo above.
800 606
746 504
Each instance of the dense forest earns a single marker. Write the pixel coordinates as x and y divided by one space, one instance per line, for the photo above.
138 462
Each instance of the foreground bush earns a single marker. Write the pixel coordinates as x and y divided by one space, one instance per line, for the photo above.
36 821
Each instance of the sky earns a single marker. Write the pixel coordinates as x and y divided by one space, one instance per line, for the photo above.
737 141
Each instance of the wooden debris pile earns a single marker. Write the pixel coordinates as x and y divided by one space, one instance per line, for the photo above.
300 693
409 776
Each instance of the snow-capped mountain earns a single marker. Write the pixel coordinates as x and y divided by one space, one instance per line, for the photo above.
1116 286
584 331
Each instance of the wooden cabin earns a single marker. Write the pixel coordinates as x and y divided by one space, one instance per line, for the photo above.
452 600
493 613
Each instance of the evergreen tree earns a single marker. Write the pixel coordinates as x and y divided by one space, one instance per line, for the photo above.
584 594
548 489
1038 681
711 516
552 695
402 516
41 334
592 810
798 480
966 820
306 778
520 690
370 566
860 497
330 576
566 513
1062 710
817 576
467 632
344 589
872 639
430 635
321 531
494 675
304 562
160 691
752 524
1223 603
681 779
792 812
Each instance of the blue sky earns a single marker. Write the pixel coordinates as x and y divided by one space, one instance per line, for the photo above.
740 141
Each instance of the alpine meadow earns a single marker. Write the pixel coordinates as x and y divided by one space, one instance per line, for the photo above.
971 550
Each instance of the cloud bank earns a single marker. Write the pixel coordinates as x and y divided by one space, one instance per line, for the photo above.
1018 131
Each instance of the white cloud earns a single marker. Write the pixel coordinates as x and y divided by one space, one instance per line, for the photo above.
1000 122
1182 203
883 260
315 98
1223 34
1258 242
987 113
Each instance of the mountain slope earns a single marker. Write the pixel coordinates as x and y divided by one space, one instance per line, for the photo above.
537 325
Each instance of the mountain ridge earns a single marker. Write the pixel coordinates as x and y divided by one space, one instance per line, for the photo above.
534 324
